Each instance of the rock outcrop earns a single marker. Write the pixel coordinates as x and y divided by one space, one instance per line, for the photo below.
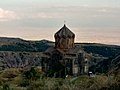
9 59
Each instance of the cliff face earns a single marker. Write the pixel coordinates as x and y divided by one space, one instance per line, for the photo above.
9 59
115 66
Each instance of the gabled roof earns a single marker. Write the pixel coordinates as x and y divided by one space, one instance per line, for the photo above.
74 50
64 32
50 50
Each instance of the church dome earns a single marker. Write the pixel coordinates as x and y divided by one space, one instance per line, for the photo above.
64 32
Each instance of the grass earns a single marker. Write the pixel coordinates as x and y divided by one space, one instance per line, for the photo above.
17 79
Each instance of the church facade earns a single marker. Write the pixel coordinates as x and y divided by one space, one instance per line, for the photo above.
65 58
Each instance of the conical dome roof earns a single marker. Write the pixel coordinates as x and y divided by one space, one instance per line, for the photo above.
64 32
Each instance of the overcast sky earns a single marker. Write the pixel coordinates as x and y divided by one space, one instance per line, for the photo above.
91 20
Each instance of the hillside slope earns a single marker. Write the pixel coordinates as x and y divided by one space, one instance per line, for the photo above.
12 59
16 52
115 66
17 44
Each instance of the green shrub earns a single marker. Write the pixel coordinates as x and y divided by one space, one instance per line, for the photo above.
10 73
24 83
6 87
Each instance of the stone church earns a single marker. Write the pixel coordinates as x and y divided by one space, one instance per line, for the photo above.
65 58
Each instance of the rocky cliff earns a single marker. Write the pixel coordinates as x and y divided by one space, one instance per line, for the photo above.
9 59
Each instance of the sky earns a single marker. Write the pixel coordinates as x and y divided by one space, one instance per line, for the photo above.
92 21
